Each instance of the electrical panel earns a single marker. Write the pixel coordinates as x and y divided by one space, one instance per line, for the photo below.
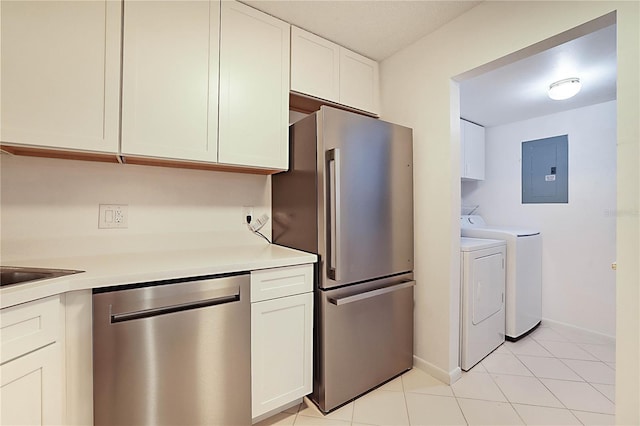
545 170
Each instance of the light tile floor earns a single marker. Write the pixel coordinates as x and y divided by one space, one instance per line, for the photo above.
554 376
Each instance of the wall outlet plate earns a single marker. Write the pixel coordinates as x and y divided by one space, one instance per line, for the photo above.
113 216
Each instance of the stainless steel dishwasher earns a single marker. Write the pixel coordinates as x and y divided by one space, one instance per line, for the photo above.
173 352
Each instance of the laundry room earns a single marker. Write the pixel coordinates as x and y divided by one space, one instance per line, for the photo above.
573 203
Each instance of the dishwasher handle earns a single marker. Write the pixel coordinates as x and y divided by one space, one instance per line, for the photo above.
369 294
154 312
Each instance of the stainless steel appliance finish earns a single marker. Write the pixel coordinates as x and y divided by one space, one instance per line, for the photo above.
367 338
173 353
348 197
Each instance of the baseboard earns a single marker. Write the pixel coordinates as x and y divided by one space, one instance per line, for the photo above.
447 377
586 330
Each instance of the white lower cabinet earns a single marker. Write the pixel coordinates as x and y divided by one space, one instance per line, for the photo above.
31 389
281 340
31 383
46 351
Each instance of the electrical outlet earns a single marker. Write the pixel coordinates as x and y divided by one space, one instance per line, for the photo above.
246 211
113 216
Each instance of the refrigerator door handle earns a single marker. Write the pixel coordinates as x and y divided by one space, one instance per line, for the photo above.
333 213
369 294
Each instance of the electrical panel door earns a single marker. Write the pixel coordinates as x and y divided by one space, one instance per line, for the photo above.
545 170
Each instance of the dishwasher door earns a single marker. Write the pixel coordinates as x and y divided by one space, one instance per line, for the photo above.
176 353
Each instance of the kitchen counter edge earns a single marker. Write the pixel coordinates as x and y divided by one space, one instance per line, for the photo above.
121 269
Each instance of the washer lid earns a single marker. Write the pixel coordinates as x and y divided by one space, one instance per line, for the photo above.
472 244
474 222
495 232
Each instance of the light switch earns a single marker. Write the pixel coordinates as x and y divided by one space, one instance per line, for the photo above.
113 216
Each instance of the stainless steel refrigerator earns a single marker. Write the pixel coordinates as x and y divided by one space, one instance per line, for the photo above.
348 197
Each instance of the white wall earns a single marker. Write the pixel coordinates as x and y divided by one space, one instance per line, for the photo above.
50 207
418 91
579 241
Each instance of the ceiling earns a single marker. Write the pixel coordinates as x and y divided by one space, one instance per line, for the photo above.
374 28
518 91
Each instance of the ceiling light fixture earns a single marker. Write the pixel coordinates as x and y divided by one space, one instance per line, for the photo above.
564 89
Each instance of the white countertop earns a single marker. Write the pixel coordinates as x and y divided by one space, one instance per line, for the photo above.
117 269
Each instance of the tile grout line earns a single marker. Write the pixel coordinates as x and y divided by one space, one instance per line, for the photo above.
511 404
549 390
573 381
564 407
460 408
353 412
591 383
504 394
601 393
538 378
569 367
614 394
404 396
295 419
541 382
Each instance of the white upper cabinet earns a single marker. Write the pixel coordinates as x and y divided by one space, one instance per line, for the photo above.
328 71
315 65
170 79
471 151
202 81
359 86
61 74
254 88
176 56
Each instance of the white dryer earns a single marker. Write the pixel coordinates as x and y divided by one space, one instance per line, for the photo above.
482 299
524 272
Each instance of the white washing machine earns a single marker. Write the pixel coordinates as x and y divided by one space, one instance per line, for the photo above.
482 300
524 272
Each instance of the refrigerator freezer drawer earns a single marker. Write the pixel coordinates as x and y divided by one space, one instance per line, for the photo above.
366 338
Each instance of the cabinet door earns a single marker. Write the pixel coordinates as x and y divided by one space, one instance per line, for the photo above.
61 74
359 87
473 150
254 88
281 344
315 65
31 389
170 79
